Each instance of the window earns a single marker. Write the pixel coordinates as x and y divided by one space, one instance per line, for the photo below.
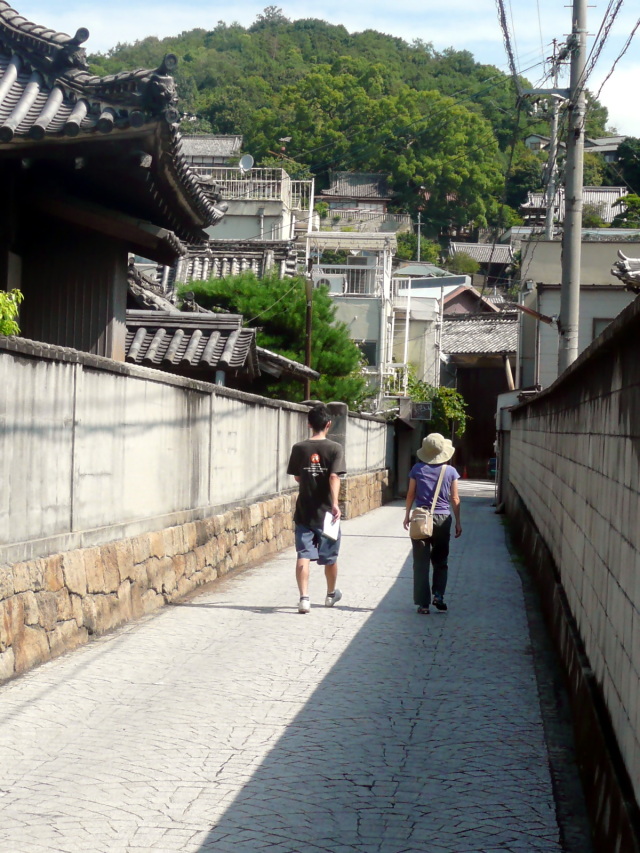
369 350
599 325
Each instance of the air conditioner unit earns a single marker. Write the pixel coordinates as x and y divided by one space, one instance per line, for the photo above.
334 281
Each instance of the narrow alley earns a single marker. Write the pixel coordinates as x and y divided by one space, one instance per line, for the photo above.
230 723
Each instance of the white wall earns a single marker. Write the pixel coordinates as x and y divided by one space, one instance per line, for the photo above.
92 450
575 464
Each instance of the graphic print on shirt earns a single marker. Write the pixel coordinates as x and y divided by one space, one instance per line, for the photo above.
315 468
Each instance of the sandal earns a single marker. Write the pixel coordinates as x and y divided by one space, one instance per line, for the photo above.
423 611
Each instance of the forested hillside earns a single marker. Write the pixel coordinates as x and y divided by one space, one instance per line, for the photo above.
440 125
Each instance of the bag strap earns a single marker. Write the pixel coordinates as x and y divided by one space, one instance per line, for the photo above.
436 494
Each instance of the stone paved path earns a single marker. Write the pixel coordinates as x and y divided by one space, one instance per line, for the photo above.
233 724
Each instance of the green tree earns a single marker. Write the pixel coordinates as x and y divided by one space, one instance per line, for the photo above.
449 407
627 168
525 177
9 308
593 170
629 217
408 248
334 355
592 216
463 264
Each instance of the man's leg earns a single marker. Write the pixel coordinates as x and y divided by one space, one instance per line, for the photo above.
302 576
331 574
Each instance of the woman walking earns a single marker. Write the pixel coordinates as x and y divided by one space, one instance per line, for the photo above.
434 454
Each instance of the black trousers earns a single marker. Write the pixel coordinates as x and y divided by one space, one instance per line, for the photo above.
427 552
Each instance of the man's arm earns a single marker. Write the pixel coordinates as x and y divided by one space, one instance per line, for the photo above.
411 494
455 506
334 486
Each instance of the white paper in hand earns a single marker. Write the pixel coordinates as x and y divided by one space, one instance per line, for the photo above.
331 528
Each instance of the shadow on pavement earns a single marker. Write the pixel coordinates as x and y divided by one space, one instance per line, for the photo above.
424 737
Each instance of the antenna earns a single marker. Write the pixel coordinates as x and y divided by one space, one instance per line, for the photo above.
246 163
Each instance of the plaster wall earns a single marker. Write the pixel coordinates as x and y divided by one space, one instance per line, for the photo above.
542 259
92 451
596 303
575 468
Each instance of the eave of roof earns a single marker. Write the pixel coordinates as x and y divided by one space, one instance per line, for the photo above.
206 342
481 335
49 99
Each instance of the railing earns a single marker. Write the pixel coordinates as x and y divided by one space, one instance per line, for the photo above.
339 218
255 185
301 192
358 280
394 380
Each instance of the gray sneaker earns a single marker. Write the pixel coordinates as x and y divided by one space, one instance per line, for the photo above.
303 605
332 599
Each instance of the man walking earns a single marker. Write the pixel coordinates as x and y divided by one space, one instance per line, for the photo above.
316 465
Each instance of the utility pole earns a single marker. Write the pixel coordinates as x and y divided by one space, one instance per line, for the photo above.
419 231
553 152
572 238
308 326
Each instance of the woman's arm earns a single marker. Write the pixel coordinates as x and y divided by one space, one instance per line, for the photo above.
455 506
411 494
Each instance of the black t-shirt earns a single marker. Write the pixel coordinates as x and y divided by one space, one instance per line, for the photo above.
314 460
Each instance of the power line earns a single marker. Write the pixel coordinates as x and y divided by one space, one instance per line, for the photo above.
619 57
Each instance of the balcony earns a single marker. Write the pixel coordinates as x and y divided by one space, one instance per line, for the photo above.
349 280
353 219
255 185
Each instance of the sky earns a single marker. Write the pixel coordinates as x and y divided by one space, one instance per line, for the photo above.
463 24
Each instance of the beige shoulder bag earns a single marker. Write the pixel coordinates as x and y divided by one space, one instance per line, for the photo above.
421 523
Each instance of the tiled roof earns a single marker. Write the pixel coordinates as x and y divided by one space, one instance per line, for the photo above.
208 145
48 95
220 258
418 268
484 253
602 198
358 185
482 334
190 341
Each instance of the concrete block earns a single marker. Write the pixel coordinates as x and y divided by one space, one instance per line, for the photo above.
111 572
30 648
156 544
11 620
64 606
53 574
31 609
75 575
94 570
7 664
124 558
141 548
76 609
28 575
65 637
6 582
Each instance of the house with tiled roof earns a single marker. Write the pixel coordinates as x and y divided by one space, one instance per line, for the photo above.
358 201
92 170
494 260
479 360
208 149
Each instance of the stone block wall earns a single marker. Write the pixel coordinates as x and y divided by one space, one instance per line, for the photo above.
574 494
364 492
54 604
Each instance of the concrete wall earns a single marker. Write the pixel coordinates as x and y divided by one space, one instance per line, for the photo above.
575 493
539 359
92 451
542 260
125 488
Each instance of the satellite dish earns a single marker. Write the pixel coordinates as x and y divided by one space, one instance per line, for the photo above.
246 163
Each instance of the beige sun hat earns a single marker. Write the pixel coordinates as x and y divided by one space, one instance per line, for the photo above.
435 449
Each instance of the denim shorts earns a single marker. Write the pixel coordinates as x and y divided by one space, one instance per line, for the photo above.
312 545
